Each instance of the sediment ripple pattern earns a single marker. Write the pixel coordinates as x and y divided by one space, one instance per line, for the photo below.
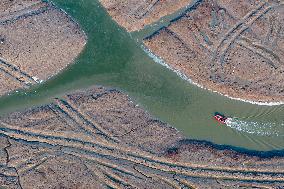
34 36
230 47
100 139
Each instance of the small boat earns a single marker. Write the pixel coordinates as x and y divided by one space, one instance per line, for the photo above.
220 118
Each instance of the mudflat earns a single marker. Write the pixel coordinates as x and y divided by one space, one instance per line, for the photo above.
37 41
135 14
232 47
99 138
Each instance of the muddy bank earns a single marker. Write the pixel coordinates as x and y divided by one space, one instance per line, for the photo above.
37 41
234 50
134 15
99 138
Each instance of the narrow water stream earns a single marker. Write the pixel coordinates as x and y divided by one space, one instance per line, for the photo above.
114 58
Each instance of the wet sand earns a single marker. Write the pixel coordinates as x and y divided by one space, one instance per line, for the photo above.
37 41
99 138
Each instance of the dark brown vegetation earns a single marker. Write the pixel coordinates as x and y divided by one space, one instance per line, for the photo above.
233 47
37 41
100 139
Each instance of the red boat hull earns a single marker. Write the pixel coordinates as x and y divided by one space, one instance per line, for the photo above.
220 119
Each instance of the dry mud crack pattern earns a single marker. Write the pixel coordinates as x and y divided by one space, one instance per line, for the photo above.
98 138
34 36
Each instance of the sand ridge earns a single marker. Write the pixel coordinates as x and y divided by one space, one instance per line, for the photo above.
135 14
234 50
99 138
37 41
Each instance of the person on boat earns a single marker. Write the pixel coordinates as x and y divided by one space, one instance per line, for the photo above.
220 118
223 119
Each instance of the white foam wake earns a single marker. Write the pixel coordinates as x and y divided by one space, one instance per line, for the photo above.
159 60
264 129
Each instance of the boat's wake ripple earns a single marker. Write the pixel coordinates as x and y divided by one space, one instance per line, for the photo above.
264 129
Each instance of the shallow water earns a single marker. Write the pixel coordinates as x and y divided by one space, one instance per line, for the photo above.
114 58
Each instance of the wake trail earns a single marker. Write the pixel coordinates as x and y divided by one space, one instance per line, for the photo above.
258 128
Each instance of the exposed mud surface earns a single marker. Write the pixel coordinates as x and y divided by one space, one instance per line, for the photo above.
100 139
232 47
37 40
135 14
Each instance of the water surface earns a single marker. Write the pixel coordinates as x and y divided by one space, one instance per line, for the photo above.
114 58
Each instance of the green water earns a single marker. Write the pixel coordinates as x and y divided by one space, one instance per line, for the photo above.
114 58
